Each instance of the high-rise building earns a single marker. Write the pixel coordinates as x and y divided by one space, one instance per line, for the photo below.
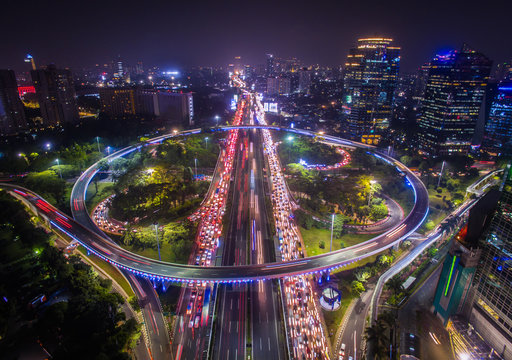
30 60
55 92
173 108
304 81
454 92
498 129
503 71
371 73
238 67
278 86
139 68
12 115
491 314
270 67
117 101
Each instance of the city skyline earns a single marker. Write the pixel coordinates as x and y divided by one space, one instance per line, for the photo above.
179 35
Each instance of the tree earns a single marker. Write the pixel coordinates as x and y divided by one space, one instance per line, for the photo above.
362 275
339 220
357 287
406 160
395 285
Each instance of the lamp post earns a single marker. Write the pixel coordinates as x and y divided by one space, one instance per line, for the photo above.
195 166
58 167
206 141
290 139
108 150
332 230
217 117
157 241
441 174
98 142
372 182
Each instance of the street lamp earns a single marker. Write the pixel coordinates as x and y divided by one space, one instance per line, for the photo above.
332 230
290 139
58 167
372 182
48 146
206 140
98 142
175 131
195 166
441 174
108 150
217 117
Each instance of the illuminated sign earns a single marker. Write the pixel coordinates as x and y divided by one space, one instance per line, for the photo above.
271 107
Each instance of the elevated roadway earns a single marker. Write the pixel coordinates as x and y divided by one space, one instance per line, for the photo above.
99 244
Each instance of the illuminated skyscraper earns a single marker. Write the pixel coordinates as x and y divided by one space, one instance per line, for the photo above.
371 73
55 91
12 115
492 308
498 130
454 92
304 80
270 67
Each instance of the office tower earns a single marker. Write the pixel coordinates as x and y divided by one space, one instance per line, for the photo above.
119 71
304 81
139 68
176 109
284 85
272 86
503 71
238 67
455 88
278 86
455 280
30 60
172 108
270 67
117 102
12 115
491 314
248 71
369 83
498 129
55 92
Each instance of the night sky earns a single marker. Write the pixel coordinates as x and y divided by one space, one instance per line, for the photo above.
179 33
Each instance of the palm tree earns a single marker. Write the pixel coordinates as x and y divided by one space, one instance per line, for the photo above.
377 340
395 285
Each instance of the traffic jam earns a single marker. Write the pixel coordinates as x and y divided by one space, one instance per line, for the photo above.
210 216
304 328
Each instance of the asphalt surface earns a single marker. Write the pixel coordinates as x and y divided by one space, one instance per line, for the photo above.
230 339
268 339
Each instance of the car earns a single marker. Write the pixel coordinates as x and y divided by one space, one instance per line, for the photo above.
189 308
196 321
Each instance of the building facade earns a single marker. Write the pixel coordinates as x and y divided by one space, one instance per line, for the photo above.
455 88
498 129
491 314
173 108
55 92
12 114
370 78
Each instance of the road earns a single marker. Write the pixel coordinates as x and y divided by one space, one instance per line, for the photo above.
161 271
268 339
